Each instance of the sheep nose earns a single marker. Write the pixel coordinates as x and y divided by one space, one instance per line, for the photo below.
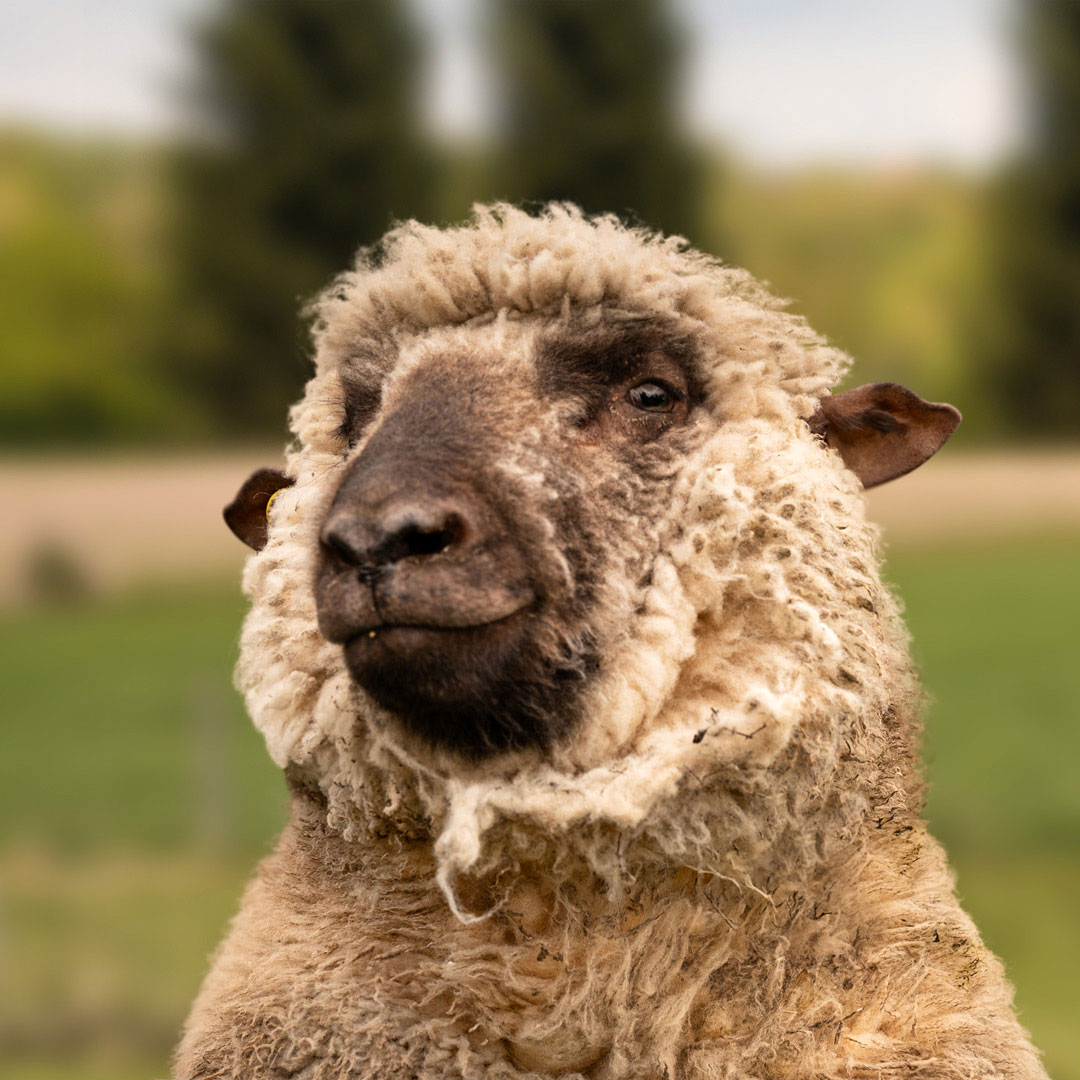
398 531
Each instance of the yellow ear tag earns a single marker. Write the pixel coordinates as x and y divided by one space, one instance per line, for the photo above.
270 501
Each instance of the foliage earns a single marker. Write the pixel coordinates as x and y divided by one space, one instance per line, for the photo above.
891 266
151 294
80 282
311 147
1037 340
588 96
888 265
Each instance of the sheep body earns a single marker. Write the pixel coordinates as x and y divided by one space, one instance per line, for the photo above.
722 872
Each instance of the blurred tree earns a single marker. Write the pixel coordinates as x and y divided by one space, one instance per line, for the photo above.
589 113
312 147
1038 234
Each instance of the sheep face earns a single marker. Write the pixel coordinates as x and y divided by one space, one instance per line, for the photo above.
564 532
483 551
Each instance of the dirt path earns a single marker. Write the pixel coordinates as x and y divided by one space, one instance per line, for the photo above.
122 522
981 497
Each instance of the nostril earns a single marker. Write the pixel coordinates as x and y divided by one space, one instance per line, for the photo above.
421 541
366 542
415 537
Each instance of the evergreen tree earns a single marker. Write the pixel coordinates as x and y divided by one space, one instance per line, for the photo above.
1038 227
309 148
588 92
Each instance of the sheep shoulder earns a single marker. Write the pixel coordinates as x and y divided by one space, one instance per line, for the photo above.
875 971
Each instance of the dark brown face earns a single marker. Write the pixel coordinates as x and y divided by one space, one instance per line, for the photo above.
466 558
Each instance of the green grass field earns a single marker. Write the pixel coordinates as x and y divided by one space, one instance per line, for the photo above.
134 799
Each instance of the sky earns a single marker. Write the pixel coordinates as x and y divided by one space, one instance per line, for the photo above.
779 82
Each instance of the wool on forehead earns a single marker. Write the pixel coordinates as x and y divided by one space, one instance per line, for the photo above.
764 648
507 261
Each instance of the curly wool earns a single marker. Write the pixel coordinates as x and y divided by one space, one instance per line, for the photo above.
749 477
722 872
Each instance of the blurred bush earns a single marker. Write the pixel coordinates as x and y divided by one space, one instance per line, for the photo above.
1033 347
81 279
55 576
890 266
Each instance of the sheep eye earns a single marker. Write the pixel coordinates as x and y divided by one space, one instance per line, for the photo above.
651 397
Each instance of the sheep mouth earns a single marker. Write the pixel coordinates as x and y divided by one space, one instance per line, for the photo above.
416 637
475 689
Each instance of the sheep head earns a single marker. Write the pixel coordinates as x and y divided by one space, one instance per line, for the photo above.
563 529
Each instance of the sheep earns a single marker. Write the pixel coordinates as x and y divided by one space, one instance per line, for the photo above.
601 732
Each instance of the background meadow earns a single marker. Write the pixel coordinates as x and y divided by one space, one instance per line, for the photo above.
178 176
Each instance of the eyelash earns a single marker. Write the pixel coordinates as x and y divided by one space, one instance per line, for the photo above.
664 385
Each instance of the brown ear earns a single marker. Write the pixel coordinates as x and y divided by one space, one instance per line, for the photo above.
883 430
246 514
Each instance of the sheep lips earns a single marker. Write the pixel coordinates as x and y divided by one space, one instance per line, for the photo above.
433 605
